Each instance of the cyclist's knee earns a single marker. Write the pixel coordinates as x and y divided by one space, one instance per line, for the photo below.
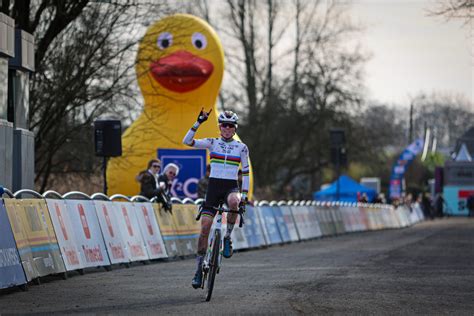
233 200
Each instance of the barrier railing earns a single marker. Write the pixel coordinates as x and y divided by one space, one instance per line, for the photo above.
54 234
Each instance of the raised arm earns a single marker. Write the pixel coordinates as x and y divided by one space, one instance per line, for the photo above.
189 137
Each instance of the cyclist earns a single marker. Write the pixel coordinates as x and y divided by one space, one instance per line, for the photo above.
226 155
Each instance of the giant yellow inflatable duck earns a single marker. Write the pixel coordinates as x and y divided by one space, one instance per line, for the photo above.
180 64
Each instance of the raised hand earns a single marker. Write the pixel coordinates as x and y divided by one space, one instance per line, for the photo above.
203 115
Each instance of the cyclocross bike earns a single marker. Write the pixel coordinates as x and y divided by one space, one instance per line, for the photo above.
212 261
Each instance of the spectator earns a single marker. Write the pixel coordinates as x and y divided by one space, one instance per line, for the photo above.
165 180
380 199
470 204
165 183
438 204
203 183
426 205
149 179
363 198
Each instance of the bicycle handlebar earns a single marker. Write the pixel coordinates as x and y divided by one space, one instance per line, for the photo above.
220 209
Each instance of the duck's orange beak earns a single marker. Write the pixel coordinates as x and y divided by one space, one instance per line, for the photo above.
181 71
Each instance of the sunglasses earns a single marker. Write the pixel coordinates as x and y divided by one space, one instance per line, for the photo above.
171 173
156 166
228 125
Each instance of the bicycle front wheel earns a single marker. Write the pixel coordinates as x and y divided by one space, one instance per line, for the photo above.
213 264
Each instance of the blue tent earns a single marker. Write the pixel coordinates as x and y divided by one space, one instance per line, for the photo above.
348 190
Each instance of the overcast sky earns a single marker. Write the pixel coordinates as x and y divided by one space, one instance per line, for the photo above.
413 52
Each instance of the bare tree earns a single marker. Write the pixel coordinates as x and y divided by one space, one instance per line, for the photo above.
84 68
455 9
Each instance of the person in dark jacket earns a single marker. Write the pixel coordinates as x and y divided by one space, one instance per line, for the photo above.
149 179
470 205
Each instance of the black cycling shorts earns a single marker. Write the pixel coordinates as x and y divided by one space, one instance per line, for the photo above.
217 192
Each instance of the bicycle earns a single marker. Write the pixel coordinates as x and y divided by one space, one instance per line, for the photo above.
212 261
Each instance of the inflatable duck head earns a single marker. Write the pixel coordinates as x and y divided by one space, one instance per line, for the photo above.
180 59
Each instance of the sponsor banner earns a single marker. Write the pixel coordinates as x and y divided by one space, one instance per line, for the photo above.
253 228
359 219
456 199
400 166
88 233
192 167
419 211
187 228
269 222
302 221
321 216
329 221
11 271
65 234
290 222
109 224
130 230
281 224
337 219
21 239
154 244
402 216
314 229
167 228
239 240
347 219
33 216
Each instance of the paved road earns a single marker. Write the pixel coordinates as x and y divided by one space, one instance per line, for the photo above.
425 269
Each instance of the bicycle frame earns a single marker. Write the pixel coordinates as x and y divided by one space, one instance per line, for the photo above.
207 258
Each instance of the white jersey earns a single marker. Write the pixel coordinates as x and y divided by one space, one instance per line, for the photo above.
226 157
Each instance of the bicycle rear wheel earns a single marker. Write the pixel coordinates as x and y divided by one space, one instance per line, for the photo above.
213 264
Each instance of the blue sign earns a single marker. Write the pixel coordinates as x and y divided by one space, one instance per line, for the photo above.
11 271
456 199
281 224
192 167
271 224
252 228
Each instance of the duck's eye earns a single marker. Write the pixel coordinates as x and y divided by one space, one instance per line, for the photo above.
199 40
165 40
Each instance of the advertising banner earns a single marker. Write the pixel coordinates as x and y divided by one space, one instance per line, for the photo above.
269 221
239 240
167 229
314 229
401 165
347 219
328 221
109 225
130 230
303 221
33 216
290 222
187 228
337 219
21 239
88 233
456 199
11 271
281 224
253 228
154 244
65 234
192 167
